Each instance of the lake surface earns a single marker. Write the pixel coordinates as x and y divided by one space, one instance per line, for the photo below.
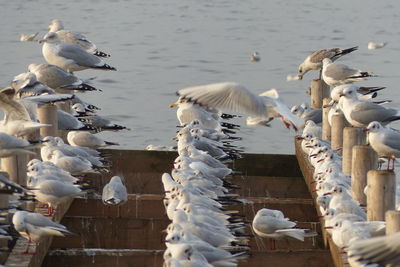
161 46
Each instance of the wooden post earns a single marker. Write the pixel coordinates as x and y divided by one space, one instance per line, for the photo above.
392 218
338 124
381 195
364 158
326 127
48 114
319 90
351 136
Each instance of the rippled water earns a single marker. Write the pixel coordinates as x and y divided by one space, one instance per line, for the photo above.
161 46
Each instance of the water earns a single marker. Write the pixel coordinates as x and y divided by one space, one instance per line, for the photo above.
161 46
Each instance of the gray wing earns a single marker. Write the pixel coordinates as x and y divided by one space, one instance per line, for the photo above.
392 139
54 77
315 115
367 112
79 55
340 71
76 38
59 189
319 55
381 250
67 122
42 221
268 224
13 109
47 99
227 95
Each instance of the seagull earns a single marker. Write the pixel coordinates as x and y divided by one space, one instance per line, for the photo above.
272 224
11 146
114 193
336 74
305 112
360 113
87 139
314 60
28 37
380 250
255 57
27 84
373 45
384 140
70 37
55 192
70 57
236 97
16 121
59 79
34 226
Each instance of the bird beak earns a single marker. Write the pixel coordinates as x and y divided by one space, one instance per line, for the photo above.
330 104
41 41
164 231
299 138
342 95
300 76
313 182
328 193
173 105
320 217
365 130
320 160
328 227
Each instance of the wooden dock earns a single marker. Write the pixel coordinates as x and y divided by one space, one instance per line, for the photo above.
130 235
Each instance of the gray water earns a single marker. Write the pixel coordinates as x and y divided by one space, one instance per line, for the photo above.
160 46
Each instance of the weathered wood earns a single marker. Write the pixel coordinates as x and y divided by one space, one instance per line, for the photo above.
48 114
153 258
162 161
338 124
392 218
364 158
308 170
319 91
151 206
18 259
381 194
326 127
351 136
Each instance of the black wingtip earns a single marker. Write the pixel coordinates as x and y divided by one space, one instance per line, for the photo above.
101 54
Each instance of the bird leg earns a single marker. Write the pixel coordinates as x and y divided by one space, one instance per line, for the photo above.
50 211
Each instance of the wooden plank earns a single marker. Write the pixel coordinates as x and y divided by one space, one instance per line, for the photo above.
153 258
308 170
146 234
151 206
18 259
162 161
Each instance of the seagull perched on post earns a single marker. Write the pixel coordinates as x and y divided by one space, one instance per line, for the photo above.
70 57
314 60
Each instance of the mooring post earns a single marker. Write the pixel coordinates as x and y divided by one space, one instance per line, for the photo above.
48 114
351 136
392 218
326 127
319 90
338 124
364 158
381 194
